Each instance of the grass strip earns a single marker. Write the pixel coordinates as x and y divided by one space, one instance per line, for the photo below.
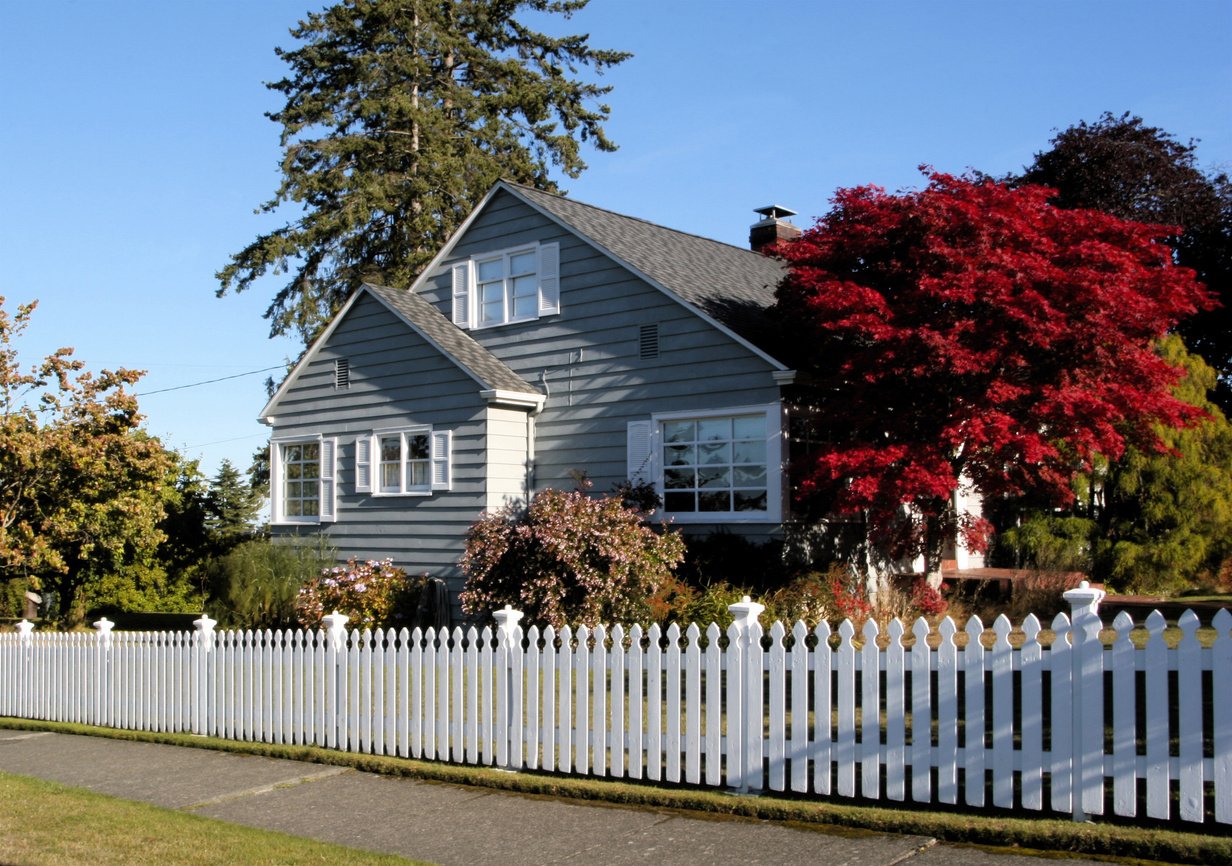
1019 831
48 824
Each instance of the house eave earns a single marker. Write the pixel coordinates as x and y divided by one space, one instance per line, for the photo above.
513 399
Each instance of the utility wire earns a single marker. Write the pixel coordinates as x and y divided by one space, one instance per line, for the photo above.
209 381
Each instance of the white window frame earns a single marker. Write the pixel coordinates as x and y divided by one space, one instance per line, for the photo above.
467 302
649 455
369 462
327 451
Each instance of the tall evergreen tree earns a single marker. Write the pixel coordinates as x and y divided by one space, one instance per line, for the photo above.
399 115
231 507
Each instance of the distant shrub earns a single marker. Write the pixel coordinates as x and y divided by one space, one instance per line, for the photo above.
373 593
259 580
567 558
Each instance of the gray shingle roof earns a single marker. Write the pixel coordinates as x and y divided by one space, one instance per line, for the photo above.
732 284
454 342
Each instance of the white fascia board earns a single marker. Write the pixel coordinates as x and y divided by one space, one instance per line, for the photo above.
706 317
518 399
265 417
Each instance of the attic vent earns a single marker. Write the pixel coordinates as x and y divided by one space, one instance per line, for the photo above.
342 373
648 342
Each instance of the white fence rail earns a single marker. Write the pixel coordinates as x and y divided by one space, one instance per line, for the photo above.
1071 726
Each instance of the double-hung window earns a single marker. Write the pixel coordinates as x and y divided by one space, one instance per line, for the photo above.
412 461
519 284
405 458
302 472
507 287
713 466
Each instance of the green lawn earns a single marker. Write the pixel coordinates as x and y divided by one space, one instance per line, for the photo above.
45 824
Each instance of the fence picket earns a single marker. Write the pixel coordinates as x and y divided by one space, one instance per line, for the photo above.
1221 713
617 703
845 736
1157 728
1002 668
776 751
1189 721
799 707
895 714
1032 748
1124 719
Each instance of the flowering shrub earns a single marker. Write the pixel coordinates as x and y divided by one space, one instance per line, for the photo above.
371 592
927 599
567 558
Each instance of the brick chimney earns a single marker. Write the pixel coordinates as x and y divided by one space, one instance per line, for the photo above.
773 227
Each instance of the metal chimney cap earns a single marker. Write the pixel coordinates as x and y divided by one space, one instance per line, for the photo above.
774 211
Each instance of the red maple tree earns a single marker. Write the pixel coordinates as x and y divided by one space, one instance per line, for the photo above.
972 331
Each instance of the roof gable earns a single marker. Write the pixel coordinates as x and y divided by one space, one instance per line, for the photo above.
732 286
493 376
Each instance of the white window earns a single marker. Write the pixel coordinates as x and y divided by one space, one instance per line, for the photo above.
302 480
412 461
714 466
515 285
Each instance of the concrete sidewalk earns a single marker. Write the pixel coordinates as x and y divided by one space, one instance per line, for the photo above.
446 824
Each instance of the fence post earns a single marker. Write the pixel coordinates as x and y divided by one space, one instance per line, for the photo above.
745 615
104 712
335 628
203 642
1086 700
506 625
23 666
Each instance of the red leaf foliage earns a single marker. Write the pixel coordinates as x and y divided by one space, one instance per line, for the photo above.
969 328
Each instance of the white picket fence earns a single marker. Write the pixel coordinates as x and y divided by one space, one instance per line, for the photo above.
1070 727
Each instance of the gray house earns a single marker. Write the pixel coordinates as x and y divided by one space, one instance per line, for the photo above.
548 336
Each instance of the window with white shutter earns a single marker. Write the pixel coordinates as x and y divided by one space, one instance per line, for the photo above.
303 480
519 284
409 461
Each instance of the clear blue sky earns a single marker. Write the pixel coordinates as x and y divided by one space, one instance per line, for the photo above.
133 146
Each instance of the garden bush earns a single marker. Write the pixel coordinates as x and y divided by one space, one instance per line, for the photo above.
373 593
567 558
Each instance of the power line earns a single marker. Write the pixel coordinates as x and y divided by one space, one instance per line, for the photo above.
209 381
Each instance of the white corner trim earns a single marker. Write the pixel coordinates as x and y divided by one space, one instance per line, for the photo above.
783 377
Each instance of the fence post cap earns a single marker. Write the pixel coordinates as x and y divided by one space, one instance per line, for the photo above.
507 620
205 624
25 627
104 626
746 611
1083 595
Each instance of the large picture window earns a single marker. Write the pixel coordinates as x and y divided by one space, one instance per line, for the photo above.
715 464
712 467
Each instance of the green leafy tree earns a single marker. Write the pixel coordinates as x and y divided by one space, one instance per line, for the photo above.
80 482
1121 166
1152 521
399 115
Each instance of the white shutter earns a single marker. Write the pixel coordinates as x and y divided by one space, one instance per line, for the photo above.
275 487
328 486
549 279
441 446
363 464
462 294
640 452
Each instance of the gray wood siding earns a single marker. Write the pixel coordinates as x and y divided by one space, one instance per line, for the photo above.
398 380
587 355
